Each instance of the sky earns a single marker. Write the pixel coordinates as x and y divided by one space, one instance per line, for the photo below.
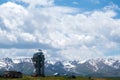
63 29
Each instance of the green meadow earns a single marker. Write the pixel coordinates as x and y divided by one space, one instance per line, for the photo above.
57 78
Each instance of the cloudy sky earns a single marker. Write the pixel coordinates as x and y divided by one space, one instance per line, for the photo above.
63 29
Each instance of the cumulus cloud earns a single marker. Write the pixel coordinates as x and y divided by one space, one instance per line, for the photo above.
64 32
37 3
20 53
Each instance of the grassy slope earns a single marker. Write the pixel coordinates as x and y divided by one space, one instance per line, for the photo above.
58 78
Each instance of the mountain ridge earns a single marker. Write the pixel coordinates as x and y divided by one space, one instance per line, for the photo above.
93 67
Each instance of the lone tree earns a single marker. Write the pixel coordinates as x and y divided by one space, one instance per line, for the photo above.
38 61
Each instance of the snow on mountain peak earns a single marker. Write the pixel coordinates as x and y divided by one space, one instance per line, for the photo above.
19 60
78 67
67 64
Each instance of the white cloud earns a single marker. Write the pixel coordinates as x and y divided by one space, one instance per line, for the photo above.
112 6
81 53
70 33
14 53
35 3
27 37
13 15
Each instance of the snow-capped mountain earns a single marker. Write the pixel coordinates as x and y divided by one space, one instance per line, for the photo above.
92 67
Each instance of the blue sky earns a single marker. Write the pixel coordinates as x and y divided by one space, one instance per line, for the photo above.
85 5
89 5
82 29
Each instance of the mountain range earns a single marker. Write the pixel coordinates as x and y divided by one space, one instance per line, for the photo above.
100 67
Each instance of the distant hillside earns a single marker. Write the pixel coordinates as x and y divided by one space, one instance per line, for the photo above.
93 67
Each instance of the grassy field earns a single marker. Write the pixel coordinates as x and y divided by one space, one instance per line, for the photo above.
58 78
